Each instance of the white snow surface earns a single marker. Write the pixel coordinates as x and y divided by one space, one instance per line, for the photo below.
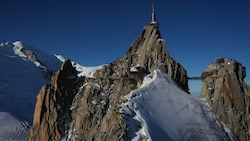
133 69
20 82
164 112
82 70
48 60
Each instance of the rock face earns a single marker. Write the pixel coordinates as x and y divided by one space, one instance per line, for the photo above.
228 95
52 111
95 117
93 113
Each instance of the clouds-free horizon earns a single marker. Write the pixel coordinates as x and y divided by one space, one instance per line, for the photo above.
98 32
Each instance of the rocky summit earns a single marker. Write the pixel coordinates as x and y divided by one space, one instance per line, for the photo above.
228 95
149 52
65 111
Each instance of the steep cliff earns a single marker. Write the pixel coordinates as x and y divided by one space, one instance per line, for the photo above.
52 112
228 95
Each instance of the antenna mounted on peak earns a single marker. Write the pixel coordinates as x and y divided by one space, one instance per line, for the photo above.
153 7
153 15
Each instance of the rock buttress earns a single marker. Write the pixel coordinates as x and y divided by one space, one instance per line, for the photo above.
226 92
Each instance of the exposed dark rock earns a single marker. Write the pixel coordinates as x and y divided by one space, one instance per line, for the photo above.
228 95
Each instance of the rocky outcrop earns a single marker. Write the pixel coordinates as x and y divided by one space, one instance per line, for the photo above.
52 114
228 95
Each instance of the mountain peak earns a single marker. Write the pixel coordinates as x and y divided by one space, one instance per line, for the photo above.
149 52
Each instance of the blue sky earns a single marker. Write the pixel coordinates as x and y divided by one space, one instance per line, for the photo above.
98 32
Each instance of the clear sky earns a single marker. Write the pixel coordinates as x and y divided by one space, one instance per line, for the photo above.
98 32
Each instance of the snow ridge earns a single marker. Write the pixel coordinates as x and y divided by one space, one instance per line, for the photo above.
165 112
32 54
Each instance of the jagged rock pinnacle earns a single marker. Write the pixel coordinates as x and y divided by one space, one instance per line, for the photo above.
149 51
52 112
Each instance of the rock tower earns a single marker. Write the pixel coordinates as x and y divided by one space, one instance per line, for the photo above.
226 92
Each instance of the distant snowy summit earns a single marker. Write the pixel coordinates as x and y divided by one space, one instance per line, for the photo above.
48 63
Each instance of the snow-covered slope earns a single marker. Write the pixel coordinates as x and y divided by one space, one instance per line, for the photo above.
166 113
21 77
38 57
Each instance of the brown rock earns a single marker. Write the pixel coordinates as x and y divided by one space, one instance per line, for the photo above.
148 51
93 119
52 114
227 93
